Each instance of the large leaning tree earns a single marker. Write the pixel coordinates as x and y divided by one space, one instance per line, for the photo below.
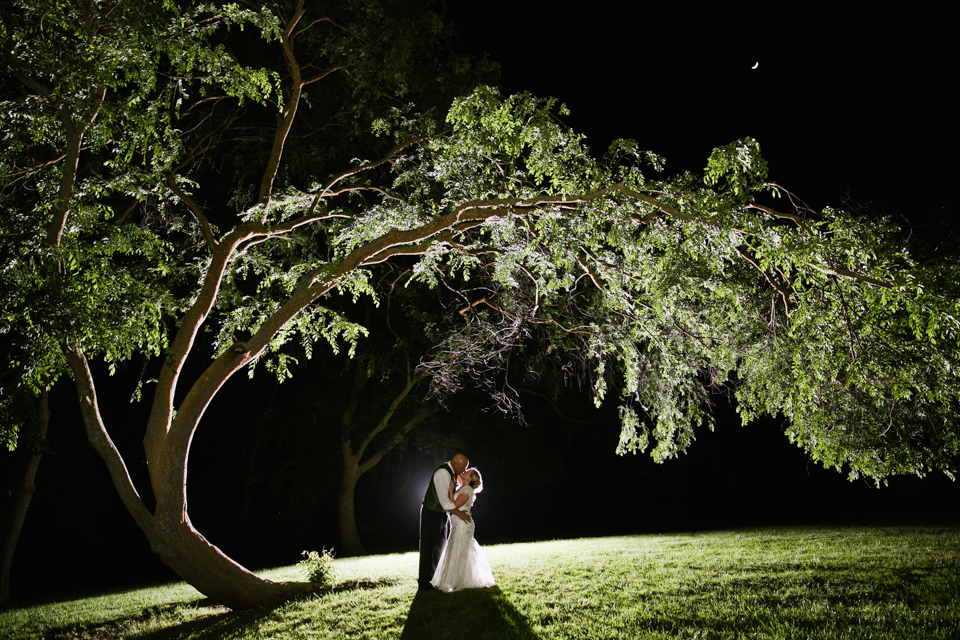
167 174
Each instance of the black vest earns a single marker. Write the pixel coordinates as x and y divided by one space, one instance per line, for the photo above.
430 499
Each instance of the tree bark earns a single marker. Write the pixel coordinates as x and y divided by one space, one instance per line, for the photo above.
30 462
168 529
212 573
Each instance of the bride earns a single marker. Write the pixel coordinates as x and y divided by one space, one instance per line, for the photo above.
462 565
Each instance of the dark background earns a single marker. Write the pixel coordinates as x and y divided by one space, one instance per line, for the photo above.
845 104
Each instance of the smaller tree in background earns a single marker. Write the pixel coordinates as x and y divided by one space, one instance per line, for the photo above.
376 399
26 418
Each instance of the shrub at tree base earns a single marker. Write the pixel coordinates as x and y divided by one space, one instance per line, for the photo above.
318 567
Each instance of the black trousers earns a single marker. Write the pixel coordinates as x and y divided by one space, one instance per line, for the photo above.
434 531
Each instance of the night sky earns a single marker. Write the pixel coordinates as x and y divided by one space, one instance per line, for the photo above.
844 104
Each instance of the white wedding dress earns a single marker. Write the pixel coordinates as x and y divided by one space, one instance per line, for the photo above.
462 565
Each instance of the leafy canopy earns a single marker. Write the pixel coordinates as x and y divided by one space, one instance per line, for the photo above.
665 290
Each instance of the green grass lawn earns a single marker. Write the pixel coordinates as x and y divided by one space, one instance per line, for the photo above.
799 582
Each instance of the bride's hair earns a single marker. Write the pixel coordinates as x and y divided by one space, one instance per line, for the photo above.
475 481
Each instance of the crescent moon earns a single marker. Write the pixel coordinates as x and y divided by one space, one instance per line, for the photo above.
755 65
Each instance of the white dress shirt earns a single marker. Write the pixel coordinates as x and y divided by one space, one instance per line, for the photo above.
441 482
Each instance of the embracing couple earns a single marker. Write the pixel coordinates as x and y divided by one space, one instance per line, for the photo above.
457 563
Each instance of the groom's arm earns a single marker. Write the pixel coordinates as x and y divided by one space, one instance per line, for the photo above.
463 515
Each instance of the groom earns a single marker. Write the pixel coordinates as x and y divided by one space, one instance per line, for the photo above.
434 523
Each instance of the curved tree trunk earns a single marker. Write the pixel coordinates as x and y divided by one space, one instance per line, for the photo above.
169 530
18 513
212 573
350 544
170 430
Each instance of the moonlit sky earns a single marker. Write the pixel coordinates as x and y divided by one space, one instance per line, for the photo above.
842 101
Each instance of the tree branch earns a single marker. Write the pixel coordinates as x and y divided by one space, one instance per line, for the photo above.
320 76
161 413
370 165
837 271
426 409
846 313
286 117
74 134
577 330
195 210
100 440
784 294
799 220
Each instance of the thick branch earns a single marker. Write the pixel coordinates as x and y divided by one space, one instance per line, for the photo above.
426 409
286 117
161 412
201 393
384 422
74 133
562 199
98 437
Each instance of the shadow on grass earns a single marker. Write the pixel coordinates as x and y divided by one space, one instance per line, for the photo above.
211 626
223 625
477 613
215 622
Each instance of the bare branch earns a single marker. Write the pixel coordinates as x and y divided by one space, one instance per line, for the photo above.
784 294
195 210
99 438
370 165
286 117
323 74
799 220
532 320
426 410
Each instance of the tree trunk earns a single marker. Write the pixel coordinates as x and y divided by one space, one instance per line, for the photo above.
207 569
350 544
30 461
168 529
